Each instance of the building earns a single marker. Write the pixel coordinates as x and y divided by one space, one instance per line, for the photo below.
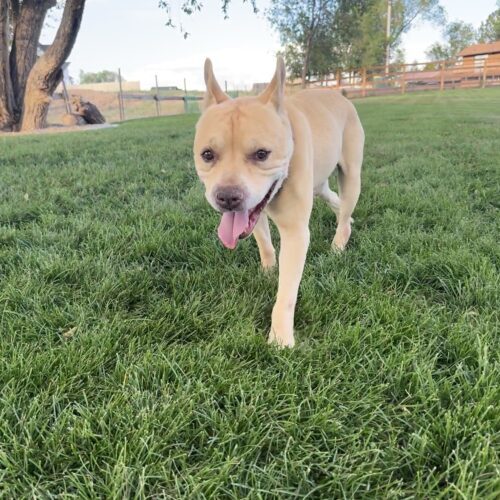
477 55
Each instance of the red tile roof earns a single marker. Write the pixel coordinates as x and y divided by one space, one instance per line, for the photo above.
481 48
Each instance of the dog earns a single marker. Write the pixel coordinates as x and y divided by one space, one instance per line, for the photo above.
268 156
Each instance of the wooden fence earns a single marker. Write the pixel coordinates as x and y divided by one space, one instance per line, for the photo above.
157 97
122 97
403 78
399 79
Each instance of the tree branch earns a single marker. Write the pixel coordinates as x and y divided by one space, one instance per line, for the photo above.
405 25
66 35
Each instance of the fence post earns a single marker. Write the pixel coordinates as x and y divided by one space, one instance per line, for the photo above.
66 97
338 77
119 105
403 79
363 88
157 97
441 84
120 96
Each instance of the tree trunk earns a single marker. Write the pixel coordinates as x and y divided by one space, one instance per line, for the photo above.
6 93
88 111
305 63
23 54
310 35
14 7
47 73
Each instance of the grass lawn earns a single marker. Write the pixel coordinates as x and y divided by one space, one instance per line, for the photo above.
133 360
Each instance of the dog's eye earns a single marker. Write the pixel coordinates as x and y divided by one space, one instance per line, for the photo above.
208 155
261 155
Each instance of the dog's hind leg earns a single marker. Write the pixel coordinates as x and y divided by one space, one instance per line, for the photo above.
262 235
331 198
349 179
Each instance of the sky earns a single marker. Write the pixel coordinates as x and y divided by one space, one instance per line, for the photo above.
131 35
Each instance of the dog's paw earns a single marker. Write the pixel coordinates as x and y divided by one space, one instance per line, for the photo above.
341 238
267 267
268 263
280 340
337 246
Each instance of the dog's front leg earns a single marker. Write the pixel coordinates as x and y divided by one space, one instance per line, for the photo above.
294 245
262 235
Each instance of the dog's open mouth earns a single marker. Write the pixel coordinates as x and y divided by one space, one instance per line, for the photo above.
236 226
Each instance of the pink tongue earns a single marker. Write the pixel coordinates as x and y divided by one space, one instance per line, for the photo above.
231 226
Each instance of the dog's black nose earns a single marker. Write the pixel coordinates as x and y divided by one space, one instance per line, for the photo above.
230 198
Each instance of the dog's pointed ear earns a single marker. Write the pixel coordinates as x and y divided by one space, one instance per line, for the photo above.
214 94
275 91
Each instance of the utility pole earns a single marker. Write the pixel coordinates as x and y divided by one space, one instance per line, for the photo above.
388 38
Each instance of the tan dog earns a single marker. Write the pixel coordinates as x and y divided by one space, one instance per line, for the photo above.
269 155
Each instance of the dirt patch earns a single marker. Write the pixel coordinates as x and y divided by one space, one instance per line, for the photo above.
107 103
57 129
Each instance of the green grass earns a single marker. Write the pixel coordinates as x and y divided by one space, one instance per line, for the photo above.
133 360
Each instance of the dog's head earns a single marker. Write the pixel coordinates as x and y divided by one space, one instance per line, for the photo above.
242 149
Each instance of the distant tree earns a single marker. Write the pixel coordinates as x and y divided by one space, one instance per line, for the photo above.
27 78
319 36
438 52
405 14
414 66
489 31
457 35
322 59
348 31
302 26
371 43
398 57
99 77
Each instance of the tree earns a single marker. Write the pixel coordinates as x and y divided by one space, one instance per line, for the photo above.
99 77
404 15
457 36
322 60
26 80
334 43
347 31
300 23
489 31
321 36
372 40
